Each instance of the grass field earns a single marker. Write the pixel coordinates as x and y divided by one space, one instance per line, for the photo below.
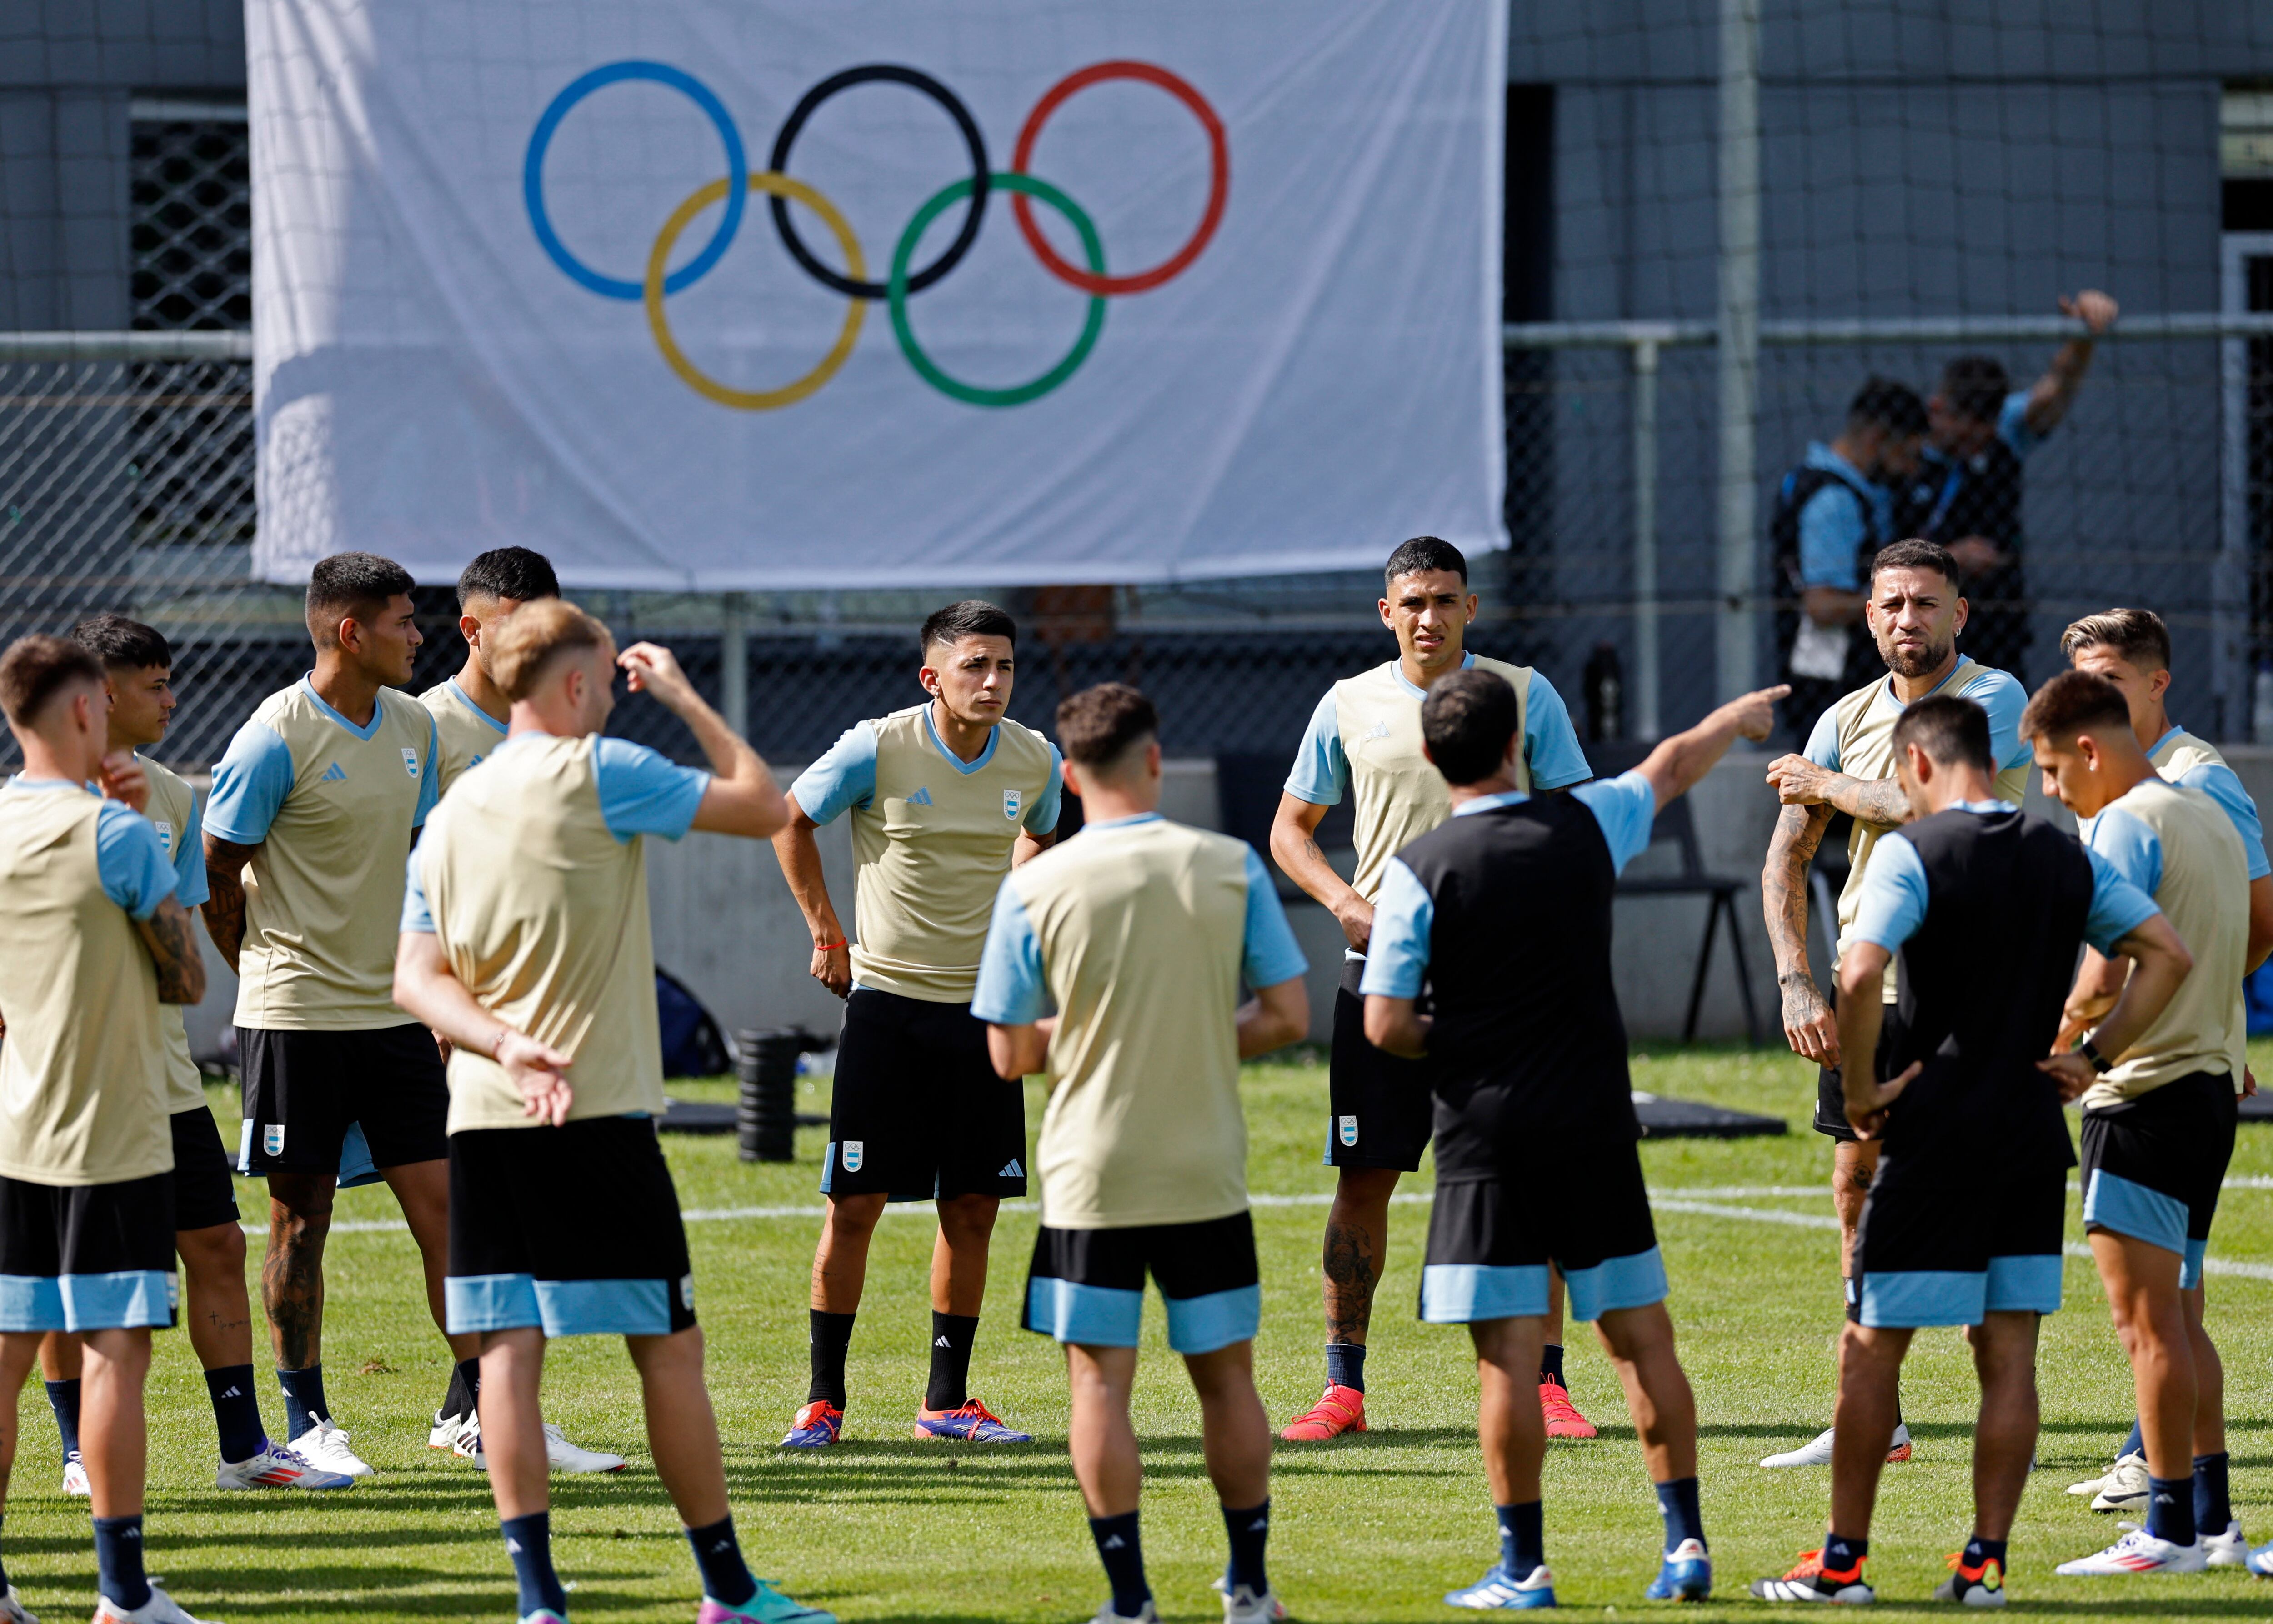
1371 1527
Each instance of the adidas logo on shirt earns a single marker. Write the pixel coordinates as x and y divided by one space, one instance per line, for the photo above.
334 774
921 798
1380 729
1012 1170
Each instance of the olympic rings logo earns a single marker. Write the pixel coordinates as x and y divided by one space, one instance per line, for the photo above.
901 281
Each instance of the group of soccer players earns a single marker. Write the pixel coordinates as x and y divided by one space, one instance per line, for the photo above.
446 982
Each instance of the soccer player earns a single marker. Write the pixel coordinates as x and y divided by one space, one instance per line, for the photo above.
2131 647
137 670
1503 914
1915 616
1365 737
321 793
95 942
525 942
946 797
1986 907
2158 1110
1139 932
468 710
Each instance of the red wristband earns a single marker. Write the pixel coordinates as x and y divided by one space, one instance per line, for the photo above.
829 946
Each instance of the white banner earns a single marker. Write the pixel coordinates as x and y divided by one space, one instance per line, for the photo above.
704 294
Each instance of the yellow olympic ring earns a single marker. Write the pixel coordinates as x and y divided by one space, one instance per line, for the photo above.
702 383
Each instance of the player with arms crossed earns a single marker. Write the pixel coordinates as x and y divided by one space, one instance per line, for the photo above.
1140 932
525 942
1504 914
946 797
469 710
2158 1109
1915 616
95 942
2131 647
1365 737
1986 907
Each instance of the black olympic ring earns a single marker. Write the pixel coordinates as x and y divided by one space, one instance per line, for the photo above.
851 286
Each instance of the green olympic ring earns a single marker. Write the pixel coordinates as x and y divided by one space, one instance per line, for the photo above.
896 291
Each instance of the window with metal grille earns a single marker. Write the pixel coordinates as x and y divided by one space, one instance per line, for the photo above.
192 214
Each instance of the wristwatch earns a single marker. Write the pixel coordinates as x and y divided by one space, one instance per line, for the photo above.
2089 1050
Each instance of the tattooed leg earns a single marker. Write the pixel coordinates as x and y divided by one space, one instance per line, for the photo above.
1357 1233
1854 1163
213 1302
292 1275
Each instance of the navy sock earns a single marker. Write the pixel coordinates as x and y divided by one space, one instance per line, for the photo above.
725 1575
1843 1555
1978 1551
1249 1531
2213 1504
528 1541
1550 1365
1122 1552
1677 1500
237 1412
831 1334
304 1399
1346 1364
948 1387
63 1398
1522 1537
118 1560
2136 1444
2171 1509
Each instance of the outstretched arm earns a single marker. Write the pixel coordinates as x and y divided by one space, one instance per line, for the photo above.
172 944
1808 1026
2051 395
743 799
1675 767
224 903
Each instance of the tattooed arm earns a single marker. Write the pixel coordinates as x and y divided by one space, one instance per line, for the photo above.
172 944
1295 846
1808 1024
224 903
1799 781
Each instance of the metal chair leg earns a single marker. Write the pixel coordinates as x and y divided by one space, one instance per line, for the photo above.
1744 974
1704 964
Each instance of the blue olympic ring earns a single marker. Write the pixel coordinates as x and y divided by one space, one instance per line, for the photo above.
738 176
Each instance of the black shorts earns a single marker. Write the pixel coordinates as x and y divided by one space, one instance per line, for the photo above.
304 1090
571 1229
1831 1088
87 1257
1378 1109
1583 1210
203 1193
1947 1237
918 1112
1087 1286
2152 1166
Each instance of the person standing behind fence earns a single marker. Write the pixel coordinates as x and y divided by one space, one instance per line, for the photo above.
1967 492
1832 512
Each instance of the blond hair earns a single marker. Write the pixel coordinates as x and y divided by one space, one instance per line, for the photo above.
524 644
2138 635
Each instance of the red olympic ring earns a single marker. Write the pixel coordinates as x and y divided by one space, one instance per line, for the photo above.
1219 179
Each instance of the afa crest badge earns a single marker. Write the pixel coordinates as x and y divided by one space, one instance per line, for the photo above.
1011 802
1346 1131
851 1153
272 1138
410 760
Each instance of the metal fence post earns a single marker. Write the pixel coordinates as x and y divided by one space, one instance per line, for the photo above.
1645 534
734 664
1739 317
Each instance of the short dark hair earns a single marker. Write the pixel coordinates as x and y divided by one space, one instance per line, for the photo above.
523 647
351 585
2138 635
1467 721
1915 555
122 644
36 669
1424 553
1886 403
1099 726
1976 386
2074 702
971 618
1952 731
514 572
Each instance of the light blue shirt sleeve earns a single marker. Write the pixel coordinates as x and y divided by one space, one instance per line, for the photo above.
2118 907
2004 698
418 918
1892 903
2133 850
844 778
2012 425
1626 807
190 860
644 793
1321 770
1270 955
135 871
1012 990
2222 785
1823 742
1404 914
1042 816
430 782
1831 535
1550 744
250 783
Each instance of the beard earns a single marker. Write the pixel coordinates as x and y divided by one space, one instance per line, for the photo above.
1914 663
